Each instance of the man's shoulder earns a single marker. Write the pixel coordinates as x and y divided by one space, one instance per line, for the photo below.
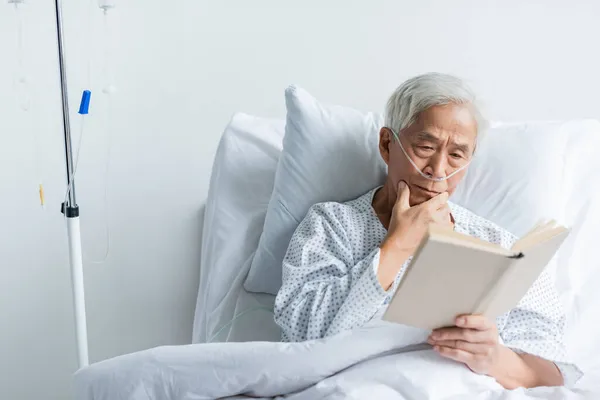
337 211
480 227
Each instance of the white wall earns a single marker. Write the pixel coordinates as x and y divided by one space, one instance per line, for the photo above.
182 67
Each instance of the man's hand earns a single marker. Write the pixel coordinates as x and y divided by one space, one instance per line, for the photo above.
407 227
474 342
409 224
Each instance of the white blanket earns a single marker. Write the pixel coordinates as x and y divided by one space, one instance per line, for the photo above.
378 361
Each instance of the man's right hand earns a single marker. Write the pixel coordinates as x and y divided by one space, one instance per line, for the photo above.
408 226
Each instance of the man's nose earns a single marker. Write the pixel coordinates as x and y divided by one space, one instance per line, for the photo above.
437 166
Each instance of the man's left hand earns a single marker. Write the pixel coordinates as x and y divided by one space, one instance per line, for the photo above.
474 342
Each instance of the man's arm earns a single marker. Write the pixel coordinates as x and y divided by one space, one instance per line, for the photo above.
407 228
535 329
324 290
515 370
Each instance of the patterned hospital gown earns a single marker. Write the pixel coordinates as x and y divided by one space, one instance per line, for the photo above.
330 281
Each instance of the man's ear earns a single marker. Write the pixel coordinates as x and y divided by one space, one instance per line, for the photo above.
385 141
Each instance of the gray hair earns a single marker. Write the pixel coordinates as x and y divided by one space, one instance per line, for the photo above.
424 91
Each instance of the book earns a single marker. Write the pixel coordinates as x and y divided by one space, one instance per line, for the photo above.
453 274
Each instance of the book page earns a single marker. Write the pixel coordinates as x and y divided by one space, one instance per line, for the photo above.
523 272
453 274
541 234
441 234
443 281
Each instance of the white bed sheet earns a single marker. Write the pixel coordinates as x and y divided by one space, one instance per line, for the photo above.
378 361
240 189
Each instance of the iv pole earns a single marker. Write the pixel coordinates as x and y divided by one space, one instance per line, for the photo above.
70 209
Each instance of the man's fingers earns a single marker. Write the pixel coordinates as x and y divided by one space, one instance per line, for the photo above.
403 196
444 208
478 322
436 202
454 354
474 348
466 335
442 215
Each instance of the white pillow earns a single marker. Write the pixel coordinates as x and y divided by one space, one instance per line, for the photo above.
240 188
330 153
517 175
578 276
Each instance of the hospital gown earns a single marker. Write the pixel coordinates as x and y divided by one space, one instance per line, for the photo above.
330 281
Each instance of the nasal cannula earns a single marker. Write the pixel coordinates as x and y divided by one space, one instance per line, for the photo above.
423 174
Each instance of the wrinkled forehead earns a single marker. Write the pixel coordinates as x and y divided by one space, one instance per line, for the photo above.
455 140
449 124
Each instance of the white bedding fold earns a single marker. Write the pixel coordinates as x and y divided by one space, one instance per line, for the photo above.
380 358
221 370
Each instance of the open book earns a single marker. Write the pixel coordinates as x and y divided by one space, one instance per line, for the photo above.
453 274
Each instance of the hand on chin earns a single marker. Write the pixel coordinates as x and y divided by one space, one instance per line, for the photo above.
419 195
417 198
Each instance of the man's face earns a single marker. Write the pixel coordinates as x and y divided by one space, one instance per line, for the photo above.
441 141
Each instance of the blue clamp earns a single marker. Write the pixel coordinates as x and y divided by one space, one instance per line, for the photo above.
84 107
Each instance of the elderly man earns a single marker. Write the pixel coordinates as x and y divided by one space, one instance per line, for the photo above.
345 260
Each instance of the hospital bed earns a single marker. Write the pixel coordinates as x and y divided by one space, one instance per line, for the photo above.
236 354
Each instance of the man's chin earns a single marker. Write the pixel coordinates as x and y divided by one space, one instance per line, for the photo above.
416 199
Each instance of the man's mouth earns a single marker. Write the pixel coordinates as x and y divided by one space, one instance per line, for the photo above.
429 192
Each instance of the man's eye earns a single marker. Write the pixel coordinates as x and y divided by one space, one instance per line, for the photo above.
427 148
455 155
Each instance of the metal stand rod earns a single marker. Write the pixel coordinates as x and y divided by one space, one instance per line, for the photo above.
70 208
71 201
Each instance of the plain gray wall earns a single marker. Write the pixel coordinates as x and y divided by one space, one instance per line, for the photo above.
181 68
